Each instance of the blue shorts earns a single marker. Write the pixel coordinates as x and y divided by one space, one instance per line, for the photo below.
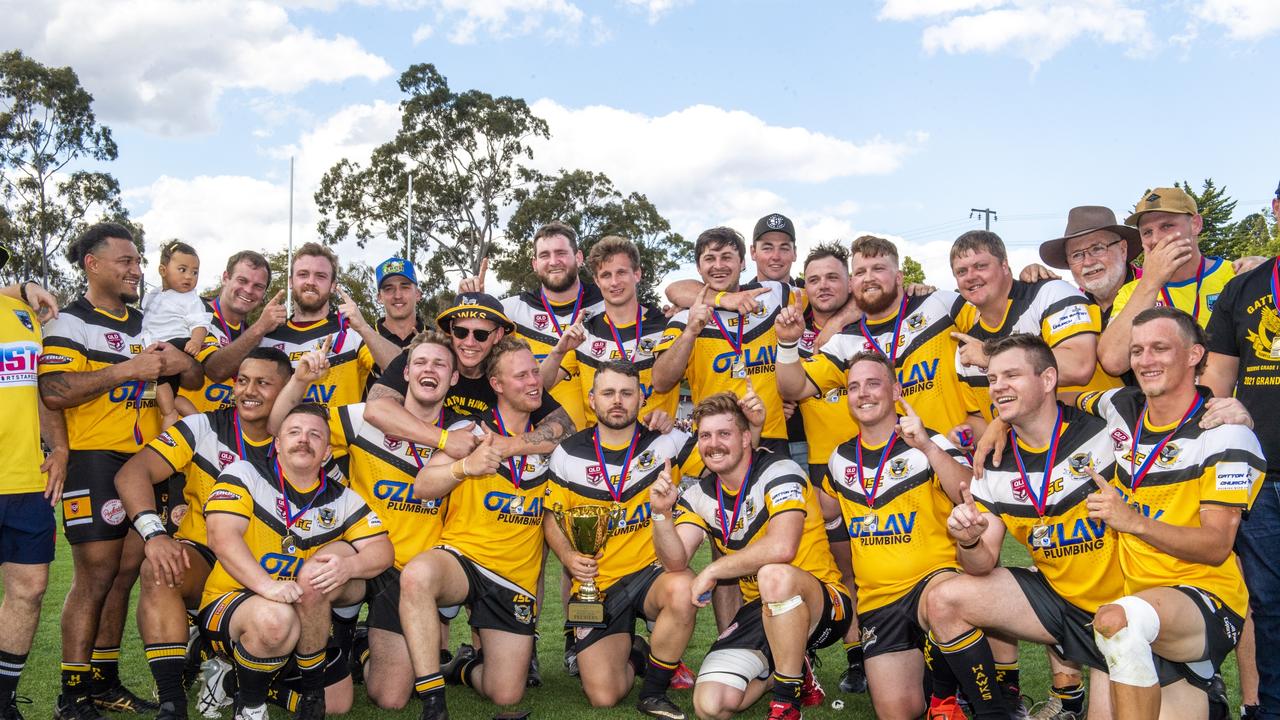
26 529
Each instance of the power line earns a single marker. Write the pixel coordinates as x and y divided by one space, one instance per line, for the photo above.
988 214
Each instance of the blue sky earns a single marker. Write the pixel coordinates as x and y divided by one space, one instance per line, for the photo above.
892 116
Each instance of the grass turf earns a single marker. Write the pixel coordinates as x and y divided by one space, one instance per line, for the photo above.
560 695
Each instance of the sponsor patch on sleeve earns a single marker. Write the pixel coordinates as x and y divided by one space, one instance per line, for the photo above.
54 359
1232 476
373 520
1070 316
223 494
788 492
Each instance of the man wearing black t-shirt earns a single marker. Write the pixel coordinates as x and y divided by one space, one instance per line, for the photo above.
1244 357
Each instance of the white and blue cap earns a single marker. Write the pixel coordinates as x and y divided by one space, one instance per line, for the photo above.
396 266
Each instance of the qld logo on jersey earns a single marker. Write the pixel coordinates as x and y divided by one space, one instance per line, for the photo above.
1019 487
18 363
114 341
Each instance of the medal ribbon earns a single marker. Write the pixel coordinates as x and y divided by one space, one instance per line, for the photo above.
737 347
897 330
875 482
235 420
341 337
1195 313
138 386
222 323
616 493
413 449
555 321
290 520
517 469
1051 459
617 338
1136 477
725 529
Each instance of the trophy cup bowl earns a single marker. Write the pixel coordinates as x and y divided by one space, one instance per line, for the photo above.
587 528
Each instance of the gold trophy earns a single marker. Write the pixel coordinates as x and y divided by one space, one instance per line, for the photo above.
587 528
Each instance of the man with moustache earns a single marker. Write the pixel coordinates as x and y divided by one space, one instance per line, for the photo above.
1175 503
1038 493
177 564
1097 251
356 346
759 508
290 545
244 285
93 369
383 469
490 554
895 482
634 584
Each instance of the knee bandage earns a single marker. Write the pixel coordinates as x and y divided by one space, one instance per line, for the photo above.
791 603
1128 651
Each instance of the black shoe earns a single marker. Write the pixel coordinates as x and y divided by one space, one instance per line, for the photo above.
310 707
535 676
433 707
1219 707
172 711
1248 712
452 671
853 679
359 646
121 699
659 706
446 657
76 709
9 708
571 662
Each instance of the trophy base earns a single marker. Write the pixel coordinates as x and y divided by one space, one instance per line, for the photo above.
584 614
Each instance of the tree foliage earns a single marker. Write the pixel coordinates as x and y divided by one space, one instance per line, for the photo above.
47 128
912 271
590 204
465 153
1216 208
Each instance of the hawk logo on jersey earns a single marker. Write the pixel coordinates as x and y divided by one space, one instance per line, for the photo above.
595 474
225 458
1080 464
24 317
868 637
597 348
915 322
328 518
646 346
114 341
647 459
540 321
898 467
391 443
1168 455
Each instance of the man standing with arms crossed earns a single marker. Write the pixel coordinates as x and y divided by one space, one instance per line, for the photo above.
94 369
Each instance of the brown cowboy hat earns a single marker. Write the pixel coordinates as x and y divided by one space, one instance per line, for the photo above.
1082 221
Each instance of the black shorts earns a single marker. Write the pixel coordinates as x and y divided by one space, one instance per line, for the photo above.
204 551
496 603
623 604
26 529
383 596
91 509
214 620
1222 628
746 632
1071 627
894 627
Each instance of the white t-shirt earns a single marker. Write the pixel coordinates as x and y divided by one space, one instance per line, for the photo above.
169 314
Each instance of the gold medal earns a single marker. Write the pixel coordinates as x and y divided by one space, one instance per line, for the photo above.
739 369
869 523
517 506
289 544
1040 535
1275 348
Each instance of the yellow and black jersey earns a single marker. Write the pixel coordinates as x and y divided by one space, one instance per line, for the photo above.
332 512
1195 296
1078 556
84 338
496 520
1051 309
1191 467
774 485
607 342
20 340
578 478
214 395
382 471
731 341
541 323
826 417
201 447
925 360
897 526
350 360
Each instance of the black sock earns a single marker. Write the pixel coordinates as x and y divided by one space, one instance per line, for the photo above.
106 668
853 652
75 680
1072 697
969 657
639 658
428 685
282 697
1008 676
10 671
310 672
939 681
167 661
254 675
657 676
786 688
568 639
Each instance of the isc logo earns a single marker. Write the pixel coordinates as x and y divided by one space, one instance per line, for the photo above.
283 567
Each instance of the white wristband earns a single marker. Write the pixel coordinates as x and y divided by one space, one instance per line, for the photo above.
148 524
656 517
788 354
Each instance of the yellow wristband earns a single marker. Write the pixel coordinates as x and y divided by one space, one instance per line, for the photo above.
444 438
719 296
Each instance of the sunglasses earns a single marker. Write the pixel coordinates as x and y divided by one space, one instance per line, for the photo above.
461 333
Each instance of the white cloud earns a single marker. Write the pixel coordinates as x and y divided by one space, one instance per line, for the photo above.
162 64
1035 30
1243 19
468 21
655 8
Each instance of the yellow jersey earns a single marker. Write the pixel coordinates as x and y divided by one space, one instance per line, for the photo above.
896 520
578 478
634 342
350 361
774 485
214 395
84 338
20 340
1195 296
330 512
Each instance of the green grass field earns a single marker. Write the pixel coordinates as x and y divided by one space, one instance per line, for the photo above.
559 697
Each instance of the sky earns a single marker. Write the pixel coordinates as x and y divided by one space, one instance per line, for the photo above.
894 117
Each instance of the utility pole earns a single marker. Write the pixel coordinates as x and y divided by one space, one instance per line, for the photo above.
988 214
